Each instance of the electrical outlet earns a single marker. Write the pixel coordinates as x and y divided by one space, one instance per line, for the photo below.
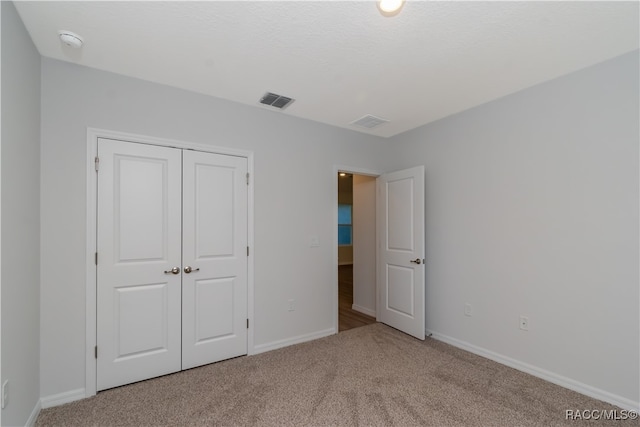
292 305
5 393
524 323
314 242
467 309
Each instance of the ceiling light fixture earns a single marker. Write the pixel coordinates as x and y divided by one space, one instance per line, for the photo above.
70 39
390 7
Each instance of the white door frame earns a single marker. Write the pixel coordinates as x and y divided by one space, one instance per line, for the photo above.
336 170
91 220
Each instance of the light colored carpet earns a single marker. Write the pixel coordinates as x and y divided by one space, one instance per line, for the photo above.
372 375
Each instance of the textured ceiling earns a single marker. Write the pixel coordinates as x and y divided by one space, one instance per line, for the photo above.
341 60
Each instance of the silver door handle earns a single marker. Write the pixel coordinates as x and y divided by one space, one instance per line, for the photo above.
417 261
188 269
174 270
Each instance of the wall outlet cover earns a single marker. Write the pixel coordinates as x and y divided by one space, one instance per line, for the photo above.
467 309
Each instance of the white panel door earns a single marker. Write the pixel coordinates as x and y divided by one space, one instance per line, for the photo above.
214 287
139 243
400 227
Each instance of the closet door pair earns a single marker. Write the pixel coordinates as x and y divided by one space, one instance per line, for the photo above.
171 260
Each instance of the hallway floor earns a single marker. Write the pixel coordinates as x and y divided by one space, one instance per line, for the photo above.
347 317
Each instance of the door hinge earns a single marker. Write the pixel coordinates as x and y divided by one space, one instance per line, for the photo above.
247 250
96 258
247 323
97 162
95 351
247 178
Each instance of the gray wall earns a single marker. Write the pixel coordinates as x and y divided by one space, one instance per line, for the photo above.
20 218
295 198
364 244
532 209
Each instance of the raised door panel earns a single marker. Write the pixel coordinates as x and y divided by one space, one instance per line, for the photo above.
399 224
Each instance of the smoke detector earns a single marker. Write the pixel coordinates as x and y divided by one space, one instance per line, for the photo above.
71 39
275 100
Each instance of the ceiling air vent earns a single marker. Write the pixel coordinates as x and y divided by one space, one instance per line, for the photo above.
275 100
369 121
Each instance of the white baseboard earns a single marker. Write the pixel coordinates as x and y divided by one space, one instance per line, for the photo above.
34 415
554 378
364 310
73 395
261 348
62 398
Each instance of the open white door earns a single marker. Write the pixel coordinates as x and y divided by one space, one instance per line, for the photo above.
400 229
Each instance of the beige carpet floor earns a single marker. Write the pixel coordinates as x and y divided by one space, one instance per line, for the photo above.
372 375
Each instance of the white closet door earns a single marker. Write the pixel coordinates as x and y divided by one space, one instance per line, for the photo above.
214 287
139 243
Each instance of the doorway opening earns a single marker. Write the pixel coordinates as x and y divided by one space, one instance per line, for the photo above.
356 250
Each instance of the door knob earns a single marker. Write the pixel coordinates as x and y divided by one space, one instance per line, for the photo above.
174 270
416 261
188 269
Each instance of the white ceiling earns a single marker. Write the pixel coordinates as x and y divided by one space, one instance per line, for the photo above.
341 60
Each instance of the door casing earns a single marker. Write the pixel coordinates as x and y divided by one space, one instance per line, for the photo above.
91 229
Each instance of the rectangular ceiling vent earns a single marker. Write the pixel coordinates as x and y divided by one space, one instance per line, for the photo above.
275 100
369 121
